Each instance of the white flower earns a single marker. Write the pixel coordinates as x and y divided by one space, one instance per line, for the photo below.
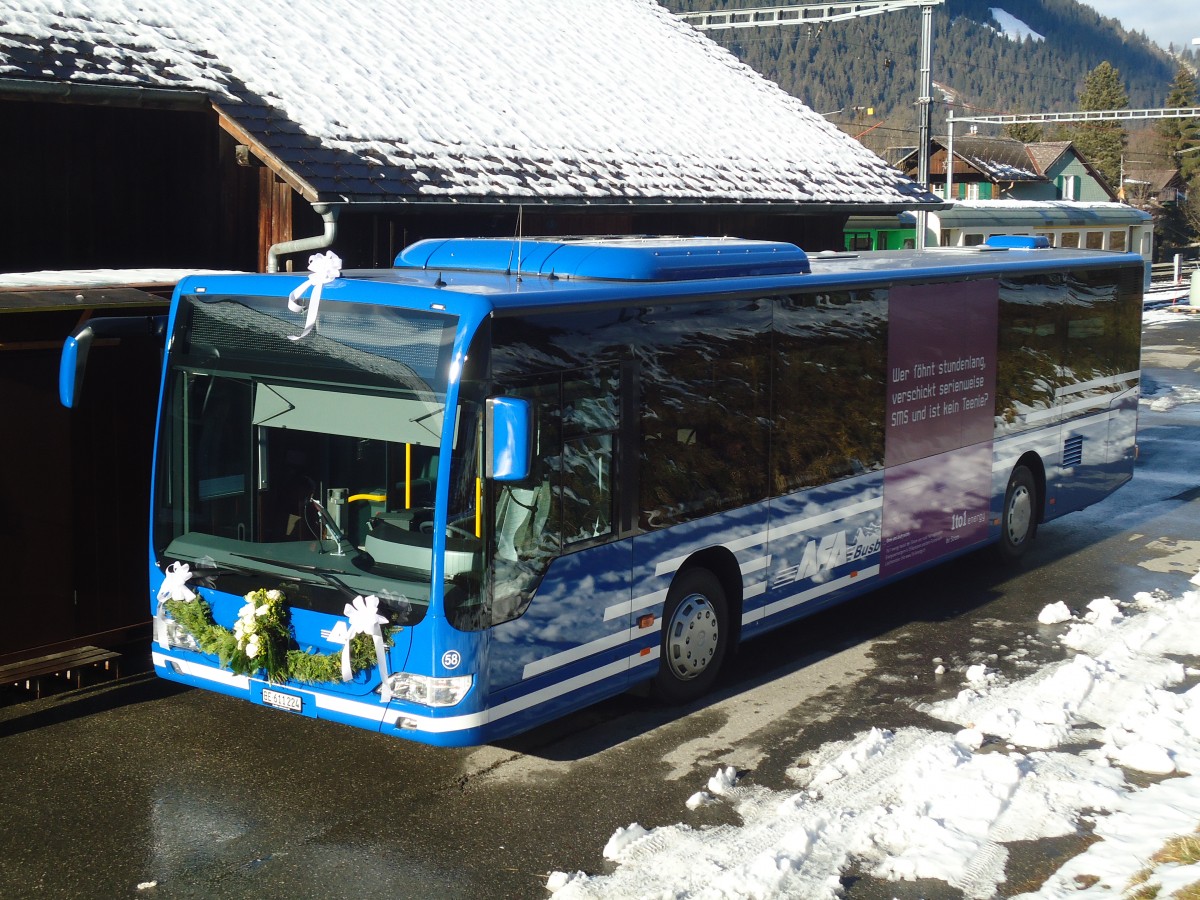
274 595
252 647
262 610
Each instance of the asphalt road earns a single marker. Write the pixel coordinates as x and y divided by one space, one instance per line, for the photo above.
144 789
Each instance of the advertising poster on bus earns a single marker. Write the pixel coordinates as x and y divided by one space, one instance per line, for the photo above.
941 395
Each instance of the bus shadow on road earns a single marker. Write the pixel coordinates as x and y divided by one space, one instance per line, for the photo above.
945 592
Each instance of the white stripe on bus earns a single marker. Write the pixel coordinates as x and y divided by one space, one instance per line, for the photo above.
609 641
1017 445
755 565
520 704
775 532
820 590
1108 381
645 601
637 604
1039 415
203 670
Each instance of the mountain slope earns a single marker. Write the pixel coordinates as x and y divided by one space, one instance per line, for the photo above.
845 68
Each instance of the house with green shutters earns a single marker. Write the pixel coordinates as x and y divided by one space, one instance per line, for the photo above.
999 168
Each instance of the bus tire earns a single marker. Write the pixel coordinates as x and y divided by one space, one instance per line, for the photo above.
695 636
1018 519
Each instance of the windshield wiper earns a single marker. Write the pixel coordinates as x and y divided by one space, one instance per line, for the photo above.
324 574
205 570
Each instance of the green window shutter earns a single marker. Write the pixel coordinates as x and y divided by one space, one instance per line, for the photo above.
985 191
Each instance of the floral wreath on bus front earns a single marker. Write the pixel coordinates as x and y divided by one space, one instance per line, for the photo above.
261 638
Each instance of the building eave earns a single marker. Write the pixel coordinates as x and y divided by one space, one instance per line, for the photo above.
99 94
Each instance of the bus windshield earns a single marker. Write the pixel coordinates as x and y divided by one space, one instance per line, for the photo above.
311 465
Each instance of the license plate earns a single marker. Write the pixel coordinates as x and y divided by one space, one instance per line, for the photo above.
280 700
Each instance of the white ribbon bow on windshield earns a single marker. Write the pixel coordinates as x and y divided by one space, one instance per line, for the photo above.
323 268
363 613
174 586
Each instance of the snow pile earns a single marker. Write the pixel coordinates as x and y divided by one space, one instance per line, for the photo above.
1054 614
1177 396
1022 760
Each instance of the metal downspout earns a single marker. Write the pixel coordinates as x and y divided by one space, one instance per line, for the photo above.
317 242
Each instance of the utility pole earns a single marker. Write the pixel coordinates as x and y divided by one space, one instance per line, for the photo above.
810 13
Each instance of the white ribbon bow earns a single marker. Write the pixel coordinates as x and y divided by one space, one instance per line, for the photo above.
363 613
323 268
174 586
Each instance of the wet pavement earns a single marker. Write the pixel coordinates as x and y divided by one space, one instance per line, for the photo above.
141 788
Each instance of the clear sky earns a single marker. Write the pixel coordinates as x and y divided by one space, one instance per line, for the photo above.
1165 21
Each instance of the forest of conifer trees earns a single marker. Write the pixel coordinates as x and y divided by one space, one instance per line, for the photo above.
844 69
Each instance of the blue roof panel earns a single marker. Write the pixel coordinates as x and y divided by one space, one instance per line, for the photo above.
611 259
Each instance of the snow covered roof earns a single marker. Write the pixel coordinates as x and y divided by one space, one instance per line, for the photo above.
96 278
999 159
1157 179
479 100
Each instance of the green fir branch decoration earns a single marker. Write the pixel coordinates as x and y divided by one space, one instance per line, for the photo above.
315 668
260 641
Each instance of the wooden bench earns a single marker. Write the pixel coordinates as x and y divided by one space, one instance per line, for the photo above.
31 670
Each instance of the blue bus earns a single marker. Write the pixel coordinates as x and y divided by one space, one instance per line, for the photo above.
504 479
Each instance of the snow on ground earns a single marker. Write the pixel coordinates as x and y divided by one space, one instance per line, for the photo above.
1166 295
1020 760
1107 741
1012 27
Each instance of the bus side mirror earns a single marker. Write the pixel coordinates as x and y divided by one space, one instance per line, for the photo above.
71 366
509 424
73 362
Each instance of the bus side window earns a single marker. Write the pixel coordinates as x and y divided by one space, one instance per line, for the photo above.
590 414
705 411
569 497
1030 349
1099 343
526 516
829 353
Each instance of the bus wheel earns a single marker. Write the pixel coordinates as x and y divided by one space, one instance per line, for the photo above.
695 636
1018 522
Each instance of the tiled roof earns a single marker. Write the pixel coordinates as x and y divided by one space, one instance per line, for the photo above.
466 100
1046 153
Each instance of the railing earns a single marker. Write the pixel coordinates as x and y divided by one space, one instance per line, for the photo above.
1177 271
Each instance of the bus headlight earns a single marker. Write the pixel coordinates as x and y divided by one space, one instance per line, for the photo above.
180 637
430 691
